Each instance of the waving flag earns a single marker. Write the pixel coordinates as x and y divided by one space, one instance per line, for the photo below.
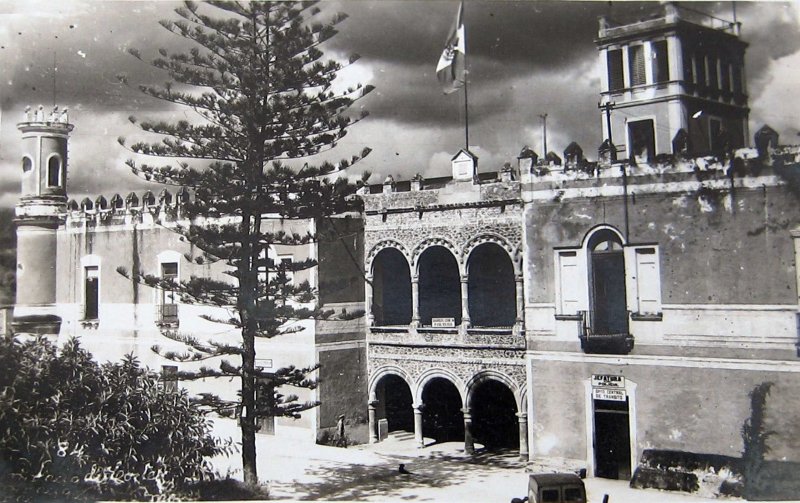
450 70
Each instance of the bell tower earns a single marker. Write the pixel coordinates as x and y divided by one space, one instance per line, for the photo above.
38 215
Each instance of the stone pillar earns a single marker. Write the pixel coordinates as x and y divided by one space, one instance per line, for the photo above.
415 301
465 301
469 444
523 435
520 300
418 438
368 300
373 424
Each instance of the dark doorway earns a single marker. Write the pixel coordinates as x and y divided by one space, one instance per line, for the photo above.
607 271
395 403
439 286
391 288
442 419
612 439
494 416
91 293
492 291
642 139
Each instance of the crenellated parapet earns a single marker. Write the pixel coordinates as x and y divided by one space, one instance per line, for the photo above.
144 207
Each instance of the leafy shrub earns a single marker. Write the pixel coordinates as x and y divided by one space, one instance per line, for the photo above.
71 426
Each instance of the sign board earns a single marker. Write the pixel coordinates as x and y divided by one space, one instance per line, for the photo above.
443 322
608 381
617 395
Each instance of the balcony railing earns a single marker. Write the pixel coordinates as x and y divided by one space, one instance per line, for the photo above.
602 343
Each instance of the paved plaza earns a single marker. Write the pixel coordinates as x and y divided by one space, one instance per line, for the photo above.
298 469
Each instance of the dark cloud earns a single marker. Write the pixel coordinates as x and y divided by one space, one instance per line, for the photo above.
525 58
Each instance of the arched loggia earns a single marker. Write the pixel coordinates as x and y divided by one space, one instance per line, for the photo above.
492 291
442 418
439 285
391 288
494 415
394 403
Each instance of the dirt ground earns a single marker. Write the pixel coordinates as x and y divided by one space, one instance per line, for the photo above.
296 469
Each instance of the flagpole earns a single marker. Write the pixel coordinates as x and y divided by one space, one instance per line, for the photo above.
466 80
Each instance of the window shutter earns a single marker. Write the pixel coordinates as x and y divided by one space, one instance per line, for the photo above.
615 77
660 61
648 281
637 70
568 282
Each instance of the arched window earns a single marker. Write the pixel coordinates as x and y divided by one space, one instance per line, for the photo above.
54 171
607 283
27 164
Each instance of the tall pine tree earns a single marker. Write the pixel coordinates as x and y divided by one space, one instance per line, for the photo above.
264 101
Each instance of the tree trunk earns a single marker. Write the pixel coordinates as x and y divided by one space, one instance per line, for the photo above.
248 418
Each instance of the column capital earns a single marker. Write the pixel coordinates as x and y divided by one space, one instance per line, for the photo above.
372 403
523 416
467 414
465 278
415 278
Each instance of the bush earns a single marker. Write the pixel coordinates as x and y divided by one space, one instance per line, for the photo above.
73 429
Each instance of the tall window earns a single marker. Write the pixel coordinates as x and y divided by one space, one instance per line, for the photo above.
636 65
54 171
642 139
615 76
660 61
713 72
169 297
91 291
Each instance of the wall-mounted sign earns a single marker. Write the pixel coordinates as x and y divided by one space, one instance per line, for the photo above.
608 381
443 322
617 395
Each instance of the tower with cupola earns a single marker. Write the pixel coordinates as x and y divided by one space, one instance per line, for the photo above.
39 213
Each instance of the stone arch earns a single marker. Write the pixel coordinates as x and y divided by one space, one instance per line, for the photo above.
429 243
497 239
378 373
391 300
491 374
494 404
491 285
439 284
430 374
440 396
602 228
382 245
392 398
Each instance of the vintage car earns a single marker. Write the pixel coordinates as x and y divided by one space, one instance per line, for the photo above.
556 488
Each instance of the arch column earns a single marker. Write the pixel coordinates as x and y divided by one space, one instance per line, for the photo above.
469 443
373 424
523 435
368 300
518 282
465 301
418 438
415 300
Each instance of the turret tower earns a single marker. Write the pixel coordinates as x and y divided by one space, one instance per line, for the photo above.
38 215
675 83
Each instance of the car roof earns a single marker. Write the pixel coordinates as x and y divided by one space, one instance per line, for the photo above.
543 479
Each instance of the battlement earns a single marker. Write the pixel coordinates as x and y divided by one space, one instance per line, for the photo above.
165 207
57 118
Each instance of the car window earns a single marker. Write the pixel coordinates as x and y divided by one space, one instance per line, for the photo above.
573 495
550 496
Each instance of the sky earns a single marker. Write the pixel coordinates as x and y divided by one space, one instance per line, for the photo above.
525 58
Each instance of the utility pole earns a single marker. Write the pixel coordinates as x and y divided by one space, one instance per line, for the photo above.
544 135
607 108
